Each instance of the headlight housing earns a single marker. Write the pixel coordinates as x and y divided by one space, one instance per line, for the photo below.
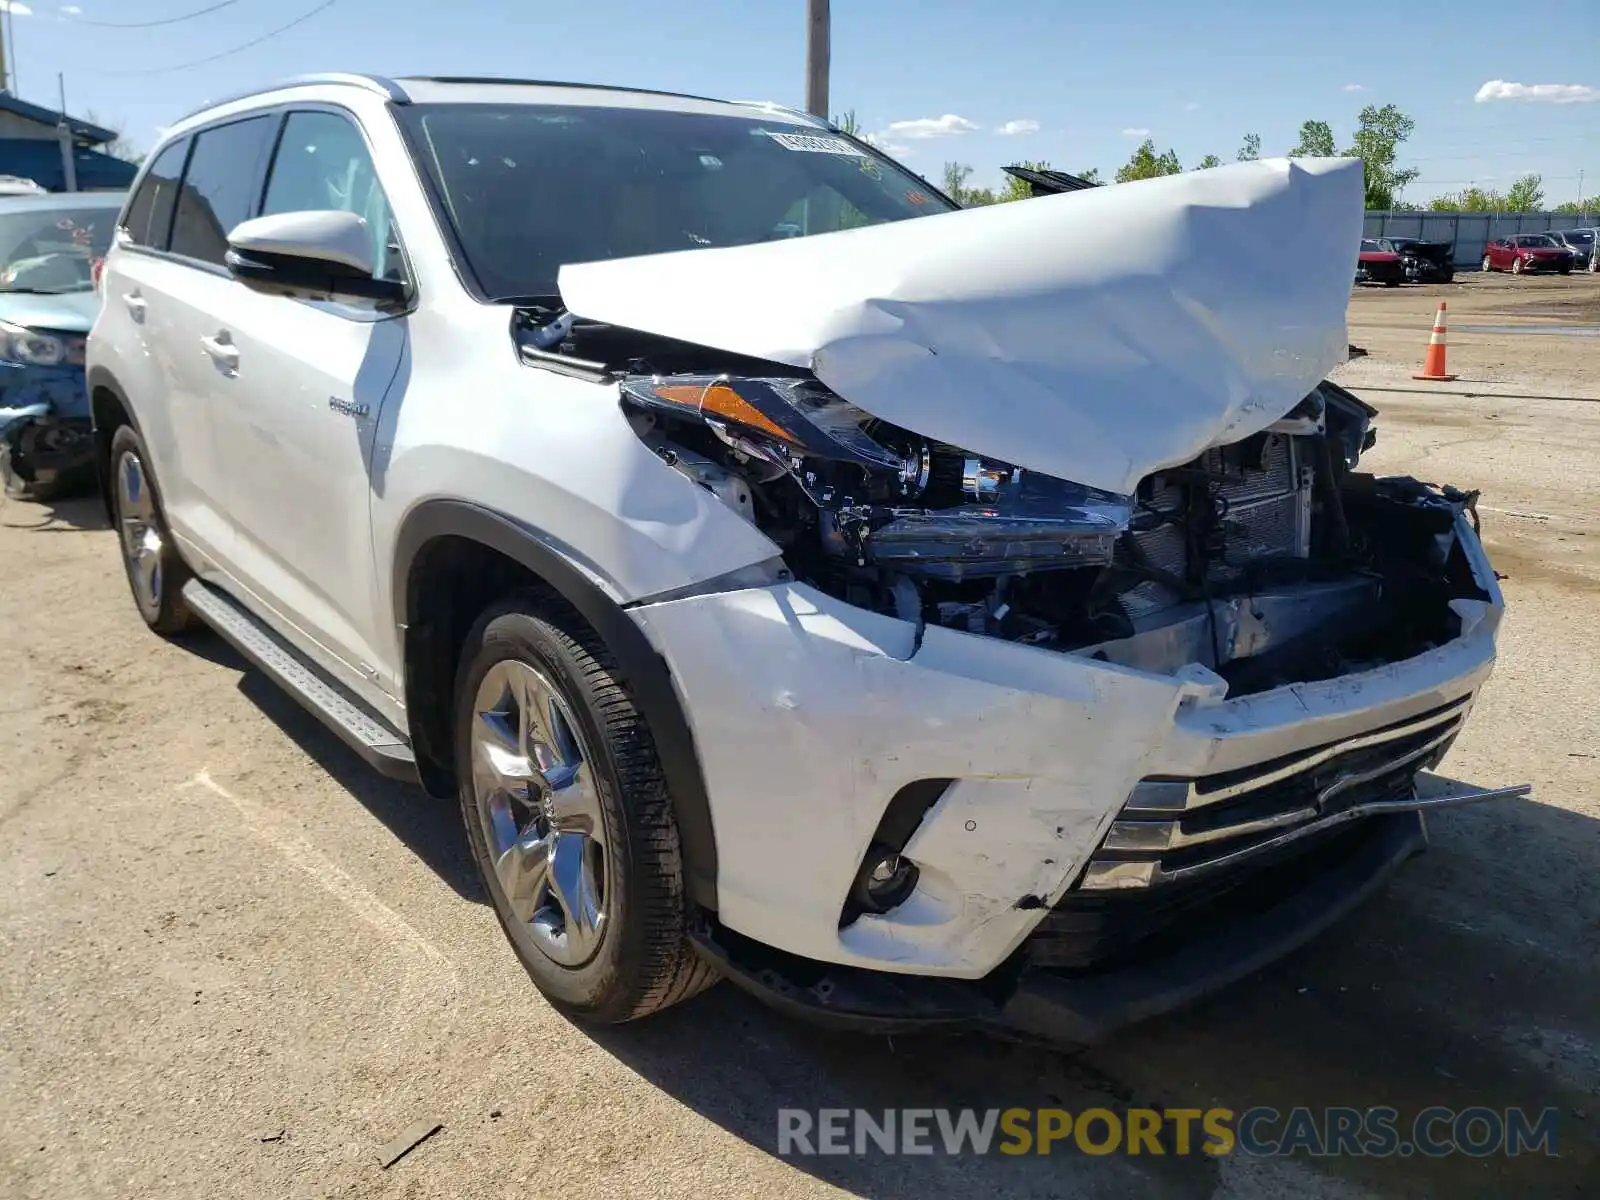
39 348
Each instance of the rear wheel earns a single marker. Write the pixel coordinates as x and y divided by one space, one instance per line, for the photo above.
568 815
155 573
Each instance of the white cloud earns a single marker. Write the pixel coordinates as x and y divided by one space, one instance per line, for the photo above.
1355 87
1191 106
1547 93
71 10
1012 128
16 8
1135 131
930 127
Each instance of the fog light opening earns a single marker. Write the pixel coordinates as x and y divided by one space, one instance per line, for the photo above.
885 881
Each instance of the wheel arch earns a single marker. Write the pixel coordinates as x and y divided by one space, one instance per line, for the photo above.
440 534
109 410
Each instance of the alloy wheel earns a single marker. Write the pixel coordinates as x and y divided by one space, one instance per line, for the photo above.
139 529
537 804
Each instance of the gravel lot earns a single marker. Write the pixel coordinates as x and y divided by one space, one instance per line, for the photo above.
233 963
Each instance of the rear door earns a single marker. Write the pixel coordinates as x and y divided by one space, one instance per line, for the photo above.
143 312
296 433
221 184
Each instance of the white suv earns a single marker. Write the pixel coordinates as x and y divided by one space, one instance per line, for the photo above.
919 615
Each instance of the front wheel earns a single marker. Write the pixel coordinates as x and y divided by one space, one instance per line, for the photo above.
1516 266
1488 264
568 815
155 573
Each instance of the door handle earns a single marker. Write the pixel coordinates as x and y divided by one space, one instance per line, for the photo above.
136 305
223 352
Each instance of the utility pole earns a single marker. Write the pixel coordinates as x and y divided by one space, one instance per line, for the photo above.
5 63
817 58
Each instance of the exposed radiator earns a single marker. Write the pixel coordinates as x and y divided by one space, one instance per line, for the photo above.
1268 515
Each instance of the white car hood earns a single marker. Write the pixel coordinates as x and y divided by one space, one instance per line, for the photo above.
1095 336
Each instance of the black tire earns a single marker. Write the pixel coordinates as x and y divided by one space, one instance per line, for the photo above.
162 605
644 961
1566 270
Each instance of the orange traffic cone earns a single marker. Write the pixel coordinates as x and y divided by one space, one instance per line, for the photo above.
1433 364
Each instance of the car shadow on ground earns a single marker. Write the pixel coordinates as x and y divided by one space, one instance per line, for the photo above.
1468 982
429 827
82 513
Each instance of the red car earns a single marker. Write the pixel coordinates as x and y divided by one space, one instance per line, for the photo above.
1527 252
1377 265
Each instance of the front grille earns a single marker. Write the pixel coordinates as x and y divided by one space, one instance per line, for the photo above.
1098 931
1171 830
1184 856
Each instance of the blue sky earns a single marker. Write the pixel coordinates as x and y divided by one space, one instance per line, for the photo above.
1077 83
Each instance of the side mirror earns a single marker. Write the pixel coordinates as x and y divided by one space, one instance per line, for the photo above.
309 255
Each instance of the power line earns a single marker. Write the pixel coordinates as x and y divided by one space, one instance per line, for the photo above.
152 24
200 62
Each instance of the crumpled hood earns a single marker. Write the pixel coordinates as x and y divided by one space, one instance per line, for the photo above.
1096 335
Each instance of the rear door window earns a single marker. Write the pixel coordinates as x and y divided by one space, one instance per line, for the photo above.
149 219
220 187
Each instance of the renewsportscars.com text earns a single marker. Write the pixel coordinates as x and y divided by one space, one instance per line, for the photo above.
1372 1132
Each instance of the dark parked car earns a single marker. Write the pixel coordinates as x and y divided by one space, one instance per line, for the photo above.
1526 252
1423 262
1375 264
50 246
1582 244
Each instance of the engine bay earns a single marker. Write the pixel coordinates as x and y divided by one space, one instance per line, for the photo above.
1269 560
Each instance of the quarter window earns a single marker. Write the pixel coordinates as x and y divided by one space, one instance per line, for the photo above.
322 164
149 218
219 188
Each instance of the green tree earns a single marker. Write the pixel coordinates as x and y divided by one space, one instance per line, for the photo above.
1251 150
1092 175
1379 133
1470 199
1147 164
1525 195
955 180
1316 141
1571 208
1210 160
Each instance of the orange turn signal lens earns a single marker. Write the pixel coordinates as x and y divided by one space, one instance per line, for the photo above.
721 400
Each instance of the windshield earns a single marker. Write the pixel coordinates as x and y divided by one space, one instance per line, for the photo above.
1579 237
528 188
53 249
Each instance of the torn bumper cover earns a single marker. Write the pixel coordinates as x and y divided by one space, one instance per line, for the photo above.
1094 843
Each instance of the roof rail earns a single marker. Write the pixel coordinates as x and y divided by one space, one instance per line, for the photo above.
785 109
387 88
557 83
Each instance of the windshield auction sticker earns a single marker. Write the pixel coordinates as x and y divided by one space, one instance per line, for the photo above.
814 144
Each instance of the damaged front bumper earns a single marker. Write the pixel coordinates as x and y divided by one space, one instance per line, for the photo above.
46 440
1069 880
